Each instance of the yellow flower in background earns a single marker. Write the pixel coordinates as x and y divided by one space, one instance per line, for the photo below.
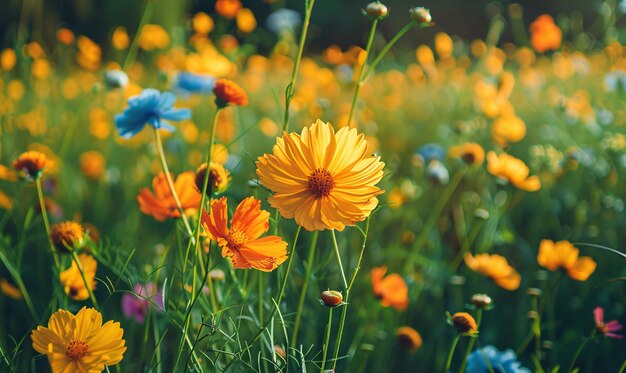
89 53
67 234
202 23
471 153
9 290
34 50
72 281
79 343
219 177
120 39
153 37
513 170
6 202
8 58
409 338
32 163
7 174
92 164
496 268
16 90
508 129
563 254
443 45
40 69
322 179
246 22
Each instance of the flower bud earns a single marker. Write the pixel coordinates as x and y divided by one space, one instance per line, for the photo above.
67 236
464 323
481 300
376 10
534 292
421 15
331 298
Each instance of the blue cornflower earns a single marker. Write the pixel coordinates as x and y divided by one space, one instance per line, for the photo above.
431 151
283 19
500 361
187 83
151 107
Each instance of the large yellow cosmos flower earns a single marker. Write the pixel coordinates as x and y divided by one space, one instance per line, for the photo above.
79 343
323 179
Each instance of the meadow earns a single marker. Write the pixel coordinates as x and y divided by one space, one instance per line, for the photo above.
216 196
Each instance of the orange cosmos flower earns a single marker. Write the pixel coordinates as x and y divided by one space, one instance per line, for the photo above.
544 34
323 179
471 153
409 338
495 267
33 163
464 323
513 170
67 236
241 242
507 129
227 8
228 92
161 204
391 290
563 254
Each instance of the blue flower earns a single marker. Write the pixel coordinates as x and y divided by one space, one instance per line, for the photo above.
283 19
431 151
500 361
187 83
152 107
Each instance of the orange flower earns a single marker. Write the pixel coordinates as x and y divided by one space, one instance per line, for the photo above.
67 236
391 290
92 164
563 254
161 204
495 267
227 8
464 323
33 163
544 34
153 37
241 242
513 170
507 129
409 338
65 36
9 290
228 92
471 153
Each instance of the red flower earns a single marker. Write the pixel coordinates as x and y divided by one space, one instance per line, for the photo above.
228 92
606 328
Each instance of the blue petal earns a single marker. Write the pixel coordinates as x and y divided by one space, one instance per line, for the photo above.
176 114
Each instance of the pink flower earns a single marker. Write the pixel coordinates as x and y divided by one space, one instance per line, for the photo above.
136 306
606 328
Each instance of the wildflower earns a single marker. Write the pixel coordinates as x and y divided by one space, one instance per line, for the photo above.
227 8
89 53
513 170
464 323
241 242
430 152
67 236
488 358
9 290
228 92
437 172
32 163
161 204
283 20
444 45
193 83
420 15
507 129
8 58
6 202
136 305
151 107
495 267
79 343
115 79
471 153
562 254
120 39
92 164
331 298
202 23
391 290
219 178
40 68
409 338
544 34
65 36
481 300
323 179
606 328
72 280
245 20
153 37
376 10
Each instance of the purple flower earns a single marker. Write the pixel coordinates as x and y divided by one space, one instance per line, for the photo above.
136 306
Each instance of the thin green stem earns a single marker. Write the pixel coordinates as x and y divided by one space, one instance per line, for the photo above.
329 326
291 87
46 222
580 349
338 255
87 284
623 368
170 182
357 87
358 264
305 285
145 17
387 47
451 353
467 244
470 345
260 295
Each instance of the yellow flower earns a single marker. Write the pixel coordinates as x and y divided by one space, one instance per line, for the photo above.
562 254
464 323
40 69
32 163
323 179
471 153
67 234
513 170
495 267
507 129
120 39
246 22
72 280
10 290
80 343
153 37
92 164
202 23
219 177
6 202
8 58
409 338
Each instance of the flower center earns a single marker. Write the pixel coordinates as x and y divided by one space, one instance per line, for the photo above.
236 238
321 183
77 349
469 157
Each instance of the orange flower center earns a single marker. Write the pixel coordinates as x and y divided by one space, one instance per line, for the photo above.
321 183
77 349
236 238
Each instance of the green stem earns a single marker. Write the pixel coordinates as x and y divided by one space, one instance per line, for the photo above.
170 183
387 47
289 91
451 353
87 284
470 345
260 295
145 17
467 244
623 368
46 222
305 285
580 349
327 339
338 255
357 87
